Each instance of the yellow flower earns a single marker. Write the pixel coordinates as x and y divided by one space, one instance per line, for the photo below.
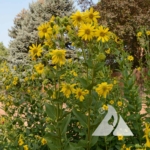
39 68
105 107
14 82
138 68
102 34
118 40
86 32
77 18
139 34
43 141
119 103
44 30
103 89
52 19
68 27
48 42
115 81
55 29
120 137
125 148
130 58
147 142
7 87
2 120
91 15
20 142
147 134
111 102
73 73
54 95
25 147
67 89
148 32
35 50
80 93
69 60
58 56
55 67
107 51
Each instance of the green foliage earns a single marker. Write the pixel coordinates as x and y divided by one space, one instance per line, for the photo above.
3 52
24 31
125 18
57 104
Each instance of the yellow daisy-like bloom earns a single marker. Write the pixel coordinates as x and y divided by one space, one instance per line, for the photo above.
25 147
39 68
148 32
44 30
105 107
126 148
147 134
2 120
48 42
67 89
52 19
130 58
102 34
80 93
77 18
115 81
86 32
58 56
119 103
73 73
139 34
120 137
107 51
138 68
20 142
92 15
103 89
55 29
43 141
14 82
111 102
35 50
118 40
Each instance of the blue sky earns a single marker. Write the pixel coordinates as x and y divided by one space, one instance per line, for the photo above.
8 11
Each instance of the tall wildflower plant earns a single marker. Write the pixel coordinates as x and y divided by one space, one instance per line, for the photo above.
58 102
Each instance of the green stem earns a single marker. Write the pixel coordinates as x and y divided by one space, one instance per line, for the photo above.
89 125
105 143
89 113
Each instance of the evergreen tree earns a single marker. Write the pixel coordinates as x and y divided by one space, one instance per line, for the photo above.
24 32
3 51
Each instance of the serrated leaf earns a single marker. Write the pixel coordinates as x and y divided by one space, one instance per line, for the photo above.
81 117
64 124
51 111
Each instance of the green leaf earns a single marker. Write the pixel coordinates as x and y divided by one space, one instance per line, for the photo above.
51 111
94 140
74 146
108 139
83 82
83 143
53 146
81 117
64 124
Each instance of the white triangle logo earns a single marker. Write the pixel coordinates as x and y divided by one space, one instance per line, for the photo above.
105 129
